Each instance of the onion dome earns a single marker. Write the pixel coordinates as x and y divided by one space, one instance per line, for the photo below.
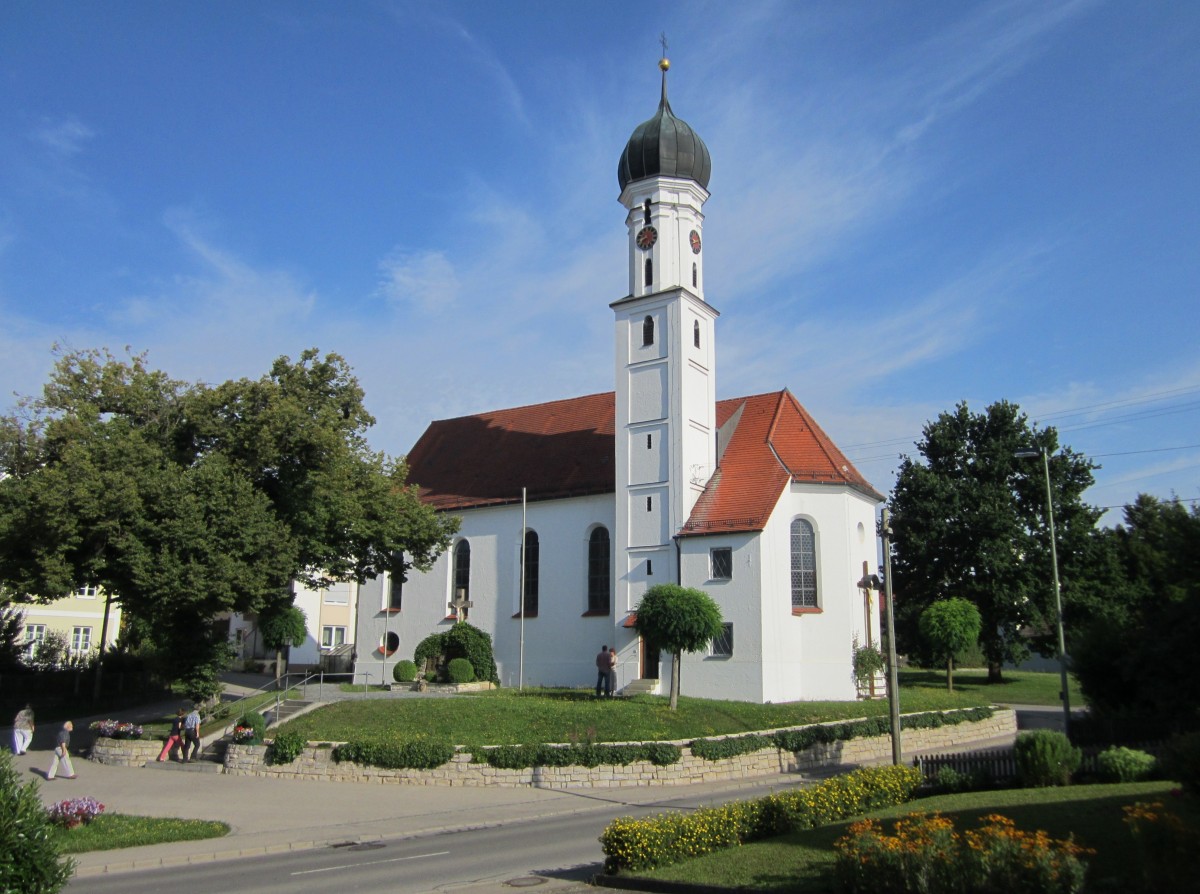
664 146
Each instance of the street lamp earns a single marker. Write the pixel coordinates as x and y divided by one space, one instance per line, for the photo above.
873 582
1029 453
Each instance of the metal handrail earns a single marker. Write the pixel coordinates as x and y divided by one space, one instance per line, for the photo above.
281 691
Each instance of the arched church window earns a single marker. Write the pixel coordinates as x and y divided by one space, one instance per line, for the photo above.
696 332
462 569
646 212
648 331
649 272
531 558
694 276
804 565
599 558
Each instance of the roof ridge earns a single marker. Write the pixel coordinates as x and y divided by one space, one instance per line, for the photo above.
544 403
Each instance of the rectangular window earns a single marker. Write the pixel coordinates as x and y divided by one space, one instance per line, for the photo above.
722 646
395 591
34 634
88 591
337 595
81 639
721 563
332 636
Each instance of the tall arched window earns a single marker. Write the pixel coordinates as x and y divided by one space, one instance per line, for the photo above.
531 573
696 333
648 331
462 569
804 565
649 273
598 586
694 276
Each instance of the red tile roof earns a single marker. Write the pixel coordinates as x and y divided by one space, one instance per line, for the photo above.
566 448
774 442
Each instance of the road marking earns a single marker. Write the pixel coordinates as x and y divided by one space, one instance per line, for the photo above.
371 863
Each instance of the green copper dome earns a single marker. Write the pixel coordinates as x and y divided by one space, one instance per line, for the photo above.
664 146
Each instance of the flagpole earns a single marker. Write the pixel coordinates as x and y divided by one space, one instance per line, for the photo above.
521 596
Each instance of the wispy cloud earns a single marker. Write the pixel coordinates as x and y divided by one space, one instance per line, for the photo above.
424 280
65 137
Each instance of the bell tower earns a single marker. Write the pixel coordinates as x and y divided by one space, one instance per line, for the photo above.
665 351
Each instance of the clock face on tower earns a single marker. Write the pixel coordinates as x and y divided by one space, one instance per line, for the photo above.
694 239
646 237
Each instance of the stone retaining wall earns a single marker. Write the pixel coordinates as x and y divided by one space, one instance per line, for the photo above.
316 762
124 752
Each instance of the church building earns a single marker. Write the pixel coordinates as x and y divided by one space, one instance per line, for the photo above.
571 509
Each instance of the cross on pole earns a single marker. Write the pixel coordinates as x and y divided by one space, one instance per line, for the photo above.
460 603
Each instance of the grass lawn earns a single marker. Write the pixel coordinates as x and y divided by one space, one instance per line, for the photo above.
803 861
509 717
110 831
1018 688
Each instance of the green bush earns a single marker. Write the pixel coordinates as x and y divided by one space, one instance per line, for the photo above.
1121 764
31 858
584 754
404 671
1044 758
459 670
952 781
285 748
432 647
1181 761
255 721
464 640
637 844
415 754
732 746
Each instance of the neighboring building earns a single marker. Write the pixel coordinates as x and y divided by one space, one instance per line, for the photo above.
330 614
79 618
656 482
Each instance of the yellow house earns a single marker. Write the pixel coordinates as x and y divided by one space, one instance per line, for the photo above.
79 618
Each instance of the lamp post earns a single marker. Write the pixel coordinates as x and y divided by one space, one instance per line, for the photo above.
1064 695
873 582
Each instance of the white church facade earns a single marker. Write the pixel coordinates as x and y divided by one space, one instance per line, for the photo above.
657 481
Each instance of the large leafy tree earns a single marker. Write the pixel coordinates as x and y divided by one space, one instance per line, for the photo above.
188 500
677 619
1135 661
969 520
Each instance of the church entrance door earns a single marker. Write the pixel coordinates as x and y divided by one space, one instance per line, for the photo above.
650 661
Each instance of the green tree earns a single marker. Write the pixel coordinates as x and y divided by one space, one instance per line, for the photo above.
677 619
1135 663
31 860
970 521
186 501
12 625
281 625
948 627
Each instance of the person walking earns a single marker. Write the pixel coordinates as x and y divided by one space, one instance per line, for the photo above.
62 753
23 730
191 734
175 737
603 666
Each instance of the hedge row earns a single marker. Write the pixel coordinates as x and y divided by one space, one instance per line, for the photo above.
520 757
419 754
639 844
826 734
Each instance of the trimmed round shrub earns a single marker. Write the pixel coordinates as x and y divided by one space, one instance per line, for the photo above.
404 671
460 671
1124 765
1045 757
31 858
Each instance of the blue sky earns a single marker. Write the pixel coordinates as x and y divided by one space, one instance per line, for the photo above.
913 204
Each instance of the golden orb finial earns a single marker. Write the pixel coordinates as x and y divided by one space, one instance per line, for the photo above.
664 63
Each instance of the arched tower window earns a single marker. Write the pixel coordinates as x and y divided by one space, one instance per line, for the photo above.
598 586
462 569
804 565
531 557
694 277
646 213
648 331
696 333
649 272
